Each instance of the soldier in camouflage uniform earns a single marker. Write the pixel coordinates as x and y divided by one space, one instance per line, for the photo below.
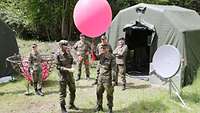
106 68
83 49
64 61
103 42
36 69
120 53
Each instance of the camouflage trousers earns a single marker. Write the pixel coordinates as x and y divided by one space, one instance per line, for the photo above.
70 82
37 78
86 63
99 92
121 71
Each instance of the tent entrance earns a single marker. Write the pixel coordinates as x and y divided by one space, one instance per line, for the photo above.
138 39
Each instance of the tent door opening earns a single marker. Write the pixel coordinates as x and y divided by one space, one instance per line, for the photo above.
138 39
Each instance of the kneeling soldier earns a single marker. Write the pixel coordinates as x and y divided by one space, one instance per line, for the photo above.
106 66
64 65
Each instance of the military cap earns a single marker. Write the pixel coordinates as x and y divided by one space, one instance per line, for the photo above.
63 42
82 35
34 45
103 37
121 38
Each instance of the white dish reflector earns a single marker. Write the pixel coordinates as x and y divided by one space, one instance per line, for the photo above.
166 61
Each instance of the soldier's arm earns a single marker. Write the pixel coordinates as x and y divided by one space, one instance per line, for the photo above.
115 51
58 64
124 50
89 47
97 52
75 46
30 59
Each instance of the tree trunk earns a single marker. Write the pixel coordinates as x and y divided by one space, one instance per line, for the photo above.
64 30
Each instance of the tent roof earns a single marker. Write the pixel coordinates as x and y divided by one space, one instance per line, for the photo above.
183 19
160 8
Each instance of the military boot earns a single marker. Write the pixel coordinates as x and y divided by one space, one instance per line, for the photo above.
35 87
78 77
73 107
40 92
124 87
36 92
99 108
110 110
87 77
63 109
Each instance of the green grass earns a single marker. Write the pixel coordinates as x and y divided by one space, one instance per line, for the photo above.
140 97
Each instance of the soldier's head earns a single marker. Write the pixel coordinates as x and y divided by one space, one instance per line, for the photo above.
103 39
104 49
82 37
121 41
64 45
34 47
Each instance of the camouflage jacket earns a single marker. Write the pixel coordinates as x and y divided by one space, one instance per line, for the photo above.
63 60
107 68
34 60
82 47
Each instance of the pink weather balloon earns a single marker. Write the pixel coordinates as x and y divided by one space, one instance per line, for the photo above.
92 17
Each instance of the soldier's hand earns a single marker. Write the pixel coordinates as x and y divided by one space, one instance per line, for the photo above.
71 69
80 58
68 69
78 53
113 83
63 69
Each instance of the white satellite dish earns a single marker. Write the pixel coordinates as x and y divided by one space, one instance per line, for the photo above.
166 61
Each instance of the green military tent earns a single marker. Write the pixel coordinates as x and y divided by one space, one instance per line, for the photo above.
166 25
8 47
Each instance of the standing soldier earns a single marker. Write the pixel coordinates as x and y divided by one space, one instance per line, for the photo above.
103 42
106 67
64 65
83 49
36 69
120 52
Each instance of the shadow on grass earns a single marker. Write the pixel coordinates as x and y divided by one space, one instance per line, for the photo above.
13 92
141 86
50 83
137 107
51 92
83 110
145 107
84 87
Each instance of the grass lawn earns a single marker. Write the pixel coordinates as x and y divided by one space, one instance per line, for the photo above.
140 97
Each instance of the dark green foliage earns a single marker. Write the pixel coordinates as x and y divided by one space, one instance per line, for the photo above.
192 4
